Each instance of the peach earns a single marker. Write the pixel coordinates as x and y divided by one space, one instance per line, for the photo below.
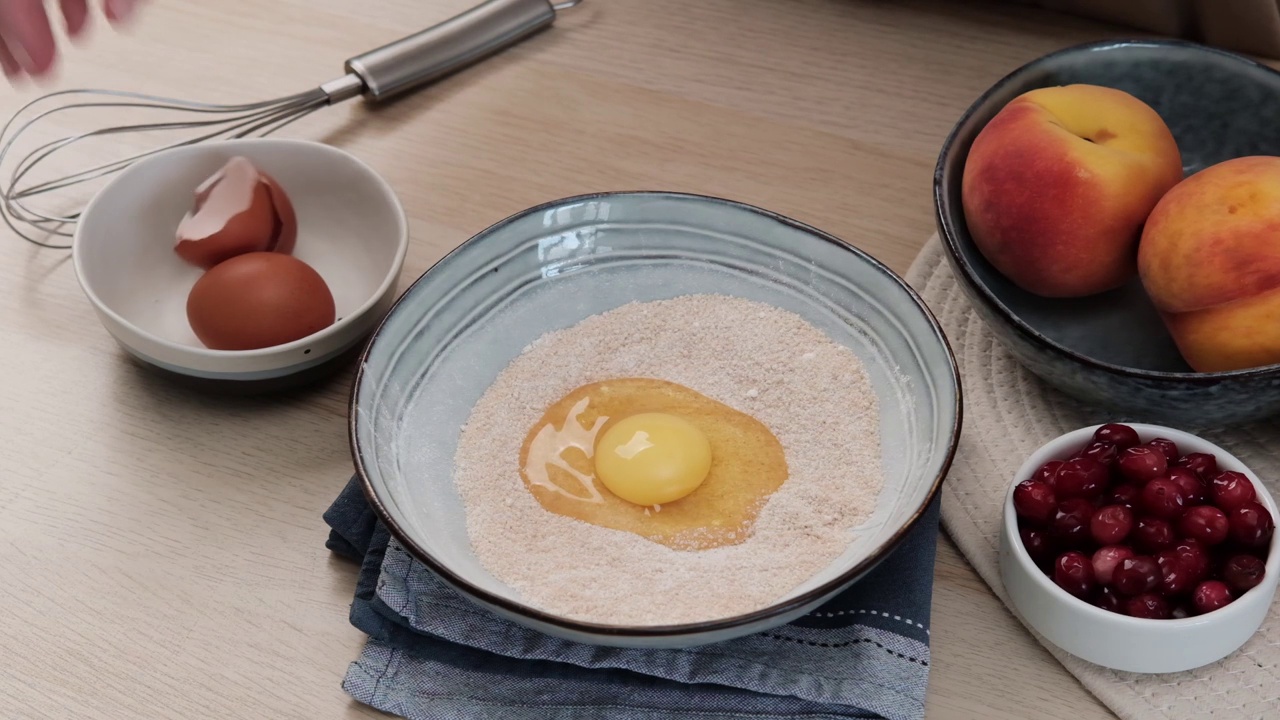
1057 185
1210 261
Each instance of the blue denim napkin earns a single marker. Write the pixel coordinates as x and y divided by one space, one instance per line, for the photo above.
434 655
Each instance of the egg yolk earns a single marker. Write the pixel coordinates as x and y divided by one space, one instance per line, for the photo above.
652 458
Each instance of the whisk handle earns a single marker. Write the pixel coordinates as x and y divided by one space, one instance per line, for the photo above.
456 43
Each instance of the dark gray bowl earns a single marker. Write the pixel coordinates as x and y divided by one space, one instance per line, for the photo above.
1112 349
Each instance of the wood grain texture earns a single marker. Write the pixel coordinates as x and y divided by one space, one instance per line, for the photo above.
161 552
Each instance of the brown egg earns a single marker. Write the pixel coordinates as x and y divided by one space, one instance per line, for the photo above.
258 300
239 209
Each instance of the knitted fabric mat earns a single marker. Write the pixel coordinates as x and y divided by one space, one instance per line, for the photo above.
1009 413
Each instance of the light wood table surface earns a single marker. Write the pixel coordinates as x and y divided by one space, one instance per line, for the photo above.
161 551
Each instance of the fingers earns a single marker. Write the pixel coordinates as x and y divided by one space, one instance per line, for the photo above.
117 11
10 64
25 29
76 14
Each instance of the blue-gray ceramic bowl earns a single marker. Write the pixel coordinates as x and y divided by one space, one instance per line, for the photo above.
549 267
1112 350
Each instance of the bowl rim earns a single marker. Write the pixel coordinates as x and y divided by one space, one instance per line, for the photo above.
670 630
949 226
1009 523
336 328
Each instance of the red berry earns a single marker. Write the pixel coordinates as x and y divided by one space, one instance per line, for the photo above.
1073 572
1205 523
1048 472
1251 525
1108 600
1176 577
1136 575
1105 561
1081 477
1126 495
1162 498
1231 490
1034 500
1203 464
1166 446
1151 535
1193 488
1122 436
1194 556
1069 526
1103 452
1148 606
1210 595
1142 463
1038 545
1241 572
1111 524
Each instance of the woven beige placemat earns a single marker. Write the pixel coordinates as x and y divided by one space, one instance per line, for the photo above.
1008 413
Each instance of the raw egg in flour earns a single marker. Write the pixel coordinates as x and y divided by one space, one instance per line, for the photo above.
653 458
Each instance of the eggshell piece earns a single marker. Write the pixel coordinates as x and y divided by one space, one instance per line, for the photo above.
286 235
258 300
237 210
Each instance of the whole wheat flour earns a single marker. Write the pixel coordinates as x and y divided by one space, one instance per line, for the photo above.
809 390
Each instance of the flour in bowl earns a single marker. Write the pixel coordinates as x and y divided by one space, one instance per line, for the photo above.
811 392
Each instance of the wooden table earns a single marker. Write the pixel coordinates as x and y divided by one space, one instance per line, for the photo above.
161 552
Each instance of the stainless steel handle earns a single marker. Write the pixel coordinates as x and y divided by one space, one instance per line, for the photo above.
450 46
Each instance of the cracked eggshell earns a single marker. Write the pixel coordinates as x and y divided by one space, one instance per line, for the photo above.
238 210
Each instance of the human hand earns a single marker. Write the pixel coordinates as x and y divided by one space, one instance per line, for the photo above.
27 44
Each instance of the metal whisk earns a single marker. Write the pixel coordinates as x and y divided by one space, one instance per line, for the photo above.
390 70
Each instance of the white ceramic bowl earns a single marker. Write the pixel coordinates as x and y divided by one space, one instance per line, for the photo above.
549 267
351 229
1118 641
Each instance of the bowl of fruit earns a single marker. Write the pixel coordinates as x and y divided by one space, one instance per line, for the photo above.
1106 209
1139 547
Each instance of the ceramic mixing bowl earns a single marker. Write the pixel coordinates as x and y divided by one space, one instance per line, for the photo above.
351 229
462 322
1112 349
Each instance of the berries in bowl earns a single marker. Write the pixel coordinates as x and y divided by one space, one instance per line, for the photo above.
1139 547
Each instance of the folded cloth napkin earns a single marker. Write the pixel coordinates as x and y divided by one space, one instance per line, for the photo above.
434 655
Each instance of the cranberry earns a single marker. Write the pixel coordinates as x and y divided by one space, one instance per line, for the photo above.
1241 573
1205 523
1210 595
1122 436
1048 472
1111 524
1203 464
1176 576
1105 561
1194 556
1193 488
1038 545
1107 599
1148 606
1073 572
1136 575
1166 446
1162 498
1251 525
1069 526
1152 535
1103 452
1126 495
1231 490
1034 501
1081 477
1142 463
